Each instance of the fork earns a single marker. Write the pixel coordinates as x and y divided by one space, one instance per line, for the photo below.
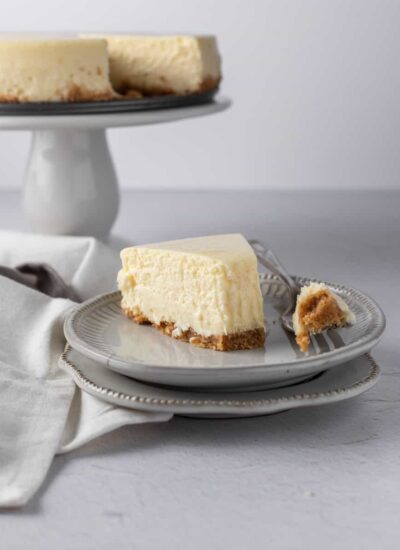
269 260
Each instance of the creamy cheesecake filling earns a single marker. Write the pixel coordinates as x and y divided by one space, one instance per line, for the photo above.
318 309
34 69
163 64
54 70
210 289
202 295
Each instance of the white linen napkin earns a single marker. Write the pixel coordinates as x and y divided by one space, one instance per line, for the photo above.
42 412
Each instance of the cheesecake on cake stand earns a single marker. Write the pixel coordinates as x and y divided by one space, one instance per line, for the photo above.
59 90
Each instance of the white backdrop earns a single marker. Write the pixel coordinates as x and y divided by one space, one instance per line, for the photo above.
315 85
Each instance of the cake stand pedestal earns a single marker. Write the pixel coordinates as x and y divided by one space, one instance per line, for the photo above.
71 186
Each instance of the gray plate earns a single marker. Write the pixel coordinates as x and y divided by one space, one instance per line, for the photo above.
334 385
106 107
99 330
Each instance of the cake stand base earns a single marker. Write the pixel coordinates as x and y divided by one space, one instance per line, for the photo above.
70 183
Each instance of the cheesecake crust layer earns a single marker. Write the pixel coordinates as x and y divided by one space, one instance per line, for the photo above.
318 312
129 90
248 339
73 94
77 94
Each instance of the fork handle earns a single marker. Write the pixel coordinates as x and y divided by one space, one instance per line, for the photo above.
268 259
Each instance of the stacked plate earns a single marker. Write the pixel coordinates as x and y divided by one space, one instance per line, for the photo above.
136 366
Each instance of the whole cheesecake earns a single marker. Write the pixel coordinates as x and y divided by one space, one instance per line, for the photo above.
204 291
154 65
56 69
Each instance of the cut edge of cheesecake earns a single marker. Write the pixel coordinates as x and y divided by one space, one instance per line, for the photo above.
162 64
63 69
318 309
236 320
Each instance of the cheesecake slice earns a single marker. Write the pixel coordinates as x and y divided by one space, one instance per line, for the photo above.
204 291
318 309
154 65
56 69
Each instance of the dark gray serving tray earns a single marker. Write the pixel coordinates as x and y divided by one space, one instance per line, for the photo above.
110 106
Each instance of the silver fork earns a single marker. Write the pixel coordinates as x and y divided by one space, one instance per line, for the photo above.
269 260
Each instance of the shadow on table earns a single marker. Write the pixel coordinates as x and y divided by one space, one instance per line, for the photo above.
350 423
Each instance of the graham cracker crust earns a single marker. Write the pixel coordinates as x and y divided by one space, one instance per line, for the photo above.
77 93
209 83
125 90
248 339
131 91
74 94
317 313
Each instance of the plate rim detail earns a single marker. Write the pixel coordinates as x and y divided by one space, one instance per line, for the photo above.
365 383
326 359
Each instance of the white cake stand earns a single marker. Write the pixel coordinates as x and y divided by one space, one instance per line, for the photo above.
71 187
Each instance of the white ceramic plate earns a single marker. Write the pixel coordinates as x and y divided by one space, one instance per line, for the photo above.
99 330
333 385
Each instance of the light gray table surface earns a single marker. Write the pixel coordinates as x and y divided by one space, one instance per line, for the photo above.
326 477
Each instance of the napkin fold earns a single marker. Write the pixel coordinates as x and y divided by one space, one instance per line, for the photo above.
42 412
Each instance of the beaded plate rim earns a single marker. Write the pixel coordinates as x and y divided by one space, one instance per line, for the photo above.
145 402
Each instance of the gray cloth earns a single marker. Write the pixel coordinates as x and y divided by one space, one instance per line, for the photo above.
41 277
